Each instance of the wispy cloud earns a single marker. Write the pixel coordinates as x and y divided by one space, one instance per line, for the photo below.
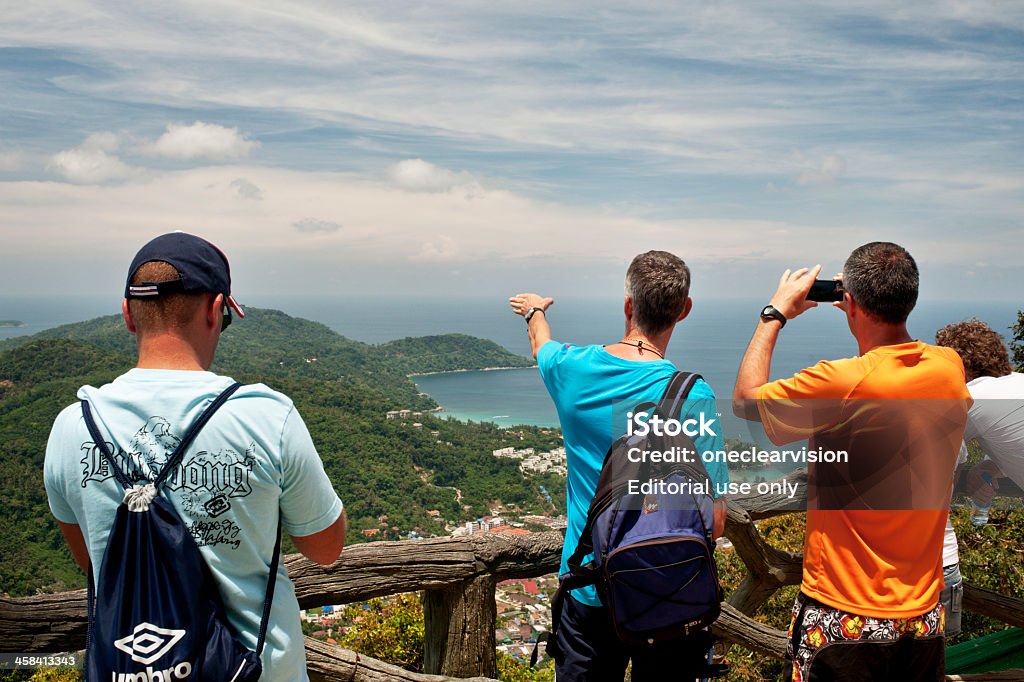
441 250
314 225
821 170
247 189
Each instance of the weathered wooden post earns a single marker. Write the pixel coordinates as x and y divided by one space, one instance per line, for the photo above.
459 625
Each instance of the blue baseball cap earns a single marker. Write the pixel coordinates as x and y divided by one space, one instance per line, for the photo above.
201 266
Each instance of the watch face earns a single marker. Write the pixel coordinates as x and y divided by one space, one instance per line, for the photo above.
770 312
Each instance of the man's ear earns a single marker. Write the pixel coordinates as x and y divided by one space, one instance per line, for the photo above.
127 313
627 308
852 310
686 309
215 311
850 305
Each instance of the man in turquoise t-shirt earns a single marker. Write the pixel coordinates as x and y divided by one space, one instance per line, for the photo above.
254 461
586 384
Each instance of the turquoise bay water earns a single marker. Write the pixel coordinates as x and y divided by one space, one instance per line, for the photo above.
505 397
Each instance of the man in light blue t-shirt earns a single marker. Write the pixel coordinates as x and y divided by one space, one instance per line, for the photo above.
255 460
586 384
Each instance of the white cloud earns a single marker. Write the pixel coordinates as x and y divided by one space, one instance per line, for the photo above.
202 141
89 164
314 225
417 175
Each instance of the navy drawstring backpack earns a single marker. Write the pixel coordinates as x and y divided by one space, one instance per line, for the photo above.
156 613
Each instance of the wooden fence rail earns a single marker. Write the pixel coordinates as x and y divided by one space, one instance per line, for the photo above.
458 577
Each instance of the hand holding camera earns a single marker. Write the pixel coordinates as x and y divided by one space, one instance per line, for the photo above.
791 298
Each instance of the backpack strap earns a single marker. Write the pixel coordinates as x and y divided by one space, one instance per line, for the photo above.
268 599
172 462
678 389
90 612
670 407
101 443
675 393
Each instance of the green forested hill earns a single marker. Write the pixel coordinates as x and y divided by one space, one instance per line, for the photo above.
343 389
449 352
271 343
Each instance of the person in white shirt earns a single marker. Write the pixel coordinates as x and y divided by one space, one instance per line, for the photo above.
995 421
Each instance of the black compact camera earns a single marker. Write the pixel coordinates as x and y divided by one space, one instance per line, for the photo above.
824 290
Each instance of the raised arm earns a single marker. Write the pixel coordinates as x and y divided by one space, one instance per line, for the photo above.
537 326
790 300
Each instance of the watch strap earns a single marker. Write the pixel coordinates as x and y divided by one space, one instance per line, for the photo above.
531 312
770 312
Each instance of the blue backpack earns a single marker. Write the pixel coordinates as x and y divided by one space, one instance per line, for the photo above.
157 613
653 561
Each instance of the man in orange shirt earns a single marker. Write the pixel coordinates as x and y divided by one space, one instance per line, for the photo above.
868 607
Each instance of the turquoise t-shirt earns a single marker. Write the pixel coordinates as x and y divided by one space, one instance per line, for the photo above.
255 457
586 384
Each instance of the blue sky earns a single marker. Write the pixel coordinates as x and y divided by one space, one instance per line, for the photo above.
456 148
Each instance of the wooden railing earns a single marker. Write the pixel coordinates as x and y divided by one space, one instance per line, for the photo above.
458 577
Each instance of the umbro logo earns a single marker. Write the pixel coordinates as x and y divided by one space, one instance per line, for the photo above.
148 642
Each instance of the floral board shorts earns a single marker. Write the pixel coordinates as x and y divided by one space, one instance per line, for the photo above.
826 643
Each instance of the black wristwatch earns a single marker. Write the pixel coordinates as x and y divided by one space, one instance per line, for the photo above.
770 312
531 312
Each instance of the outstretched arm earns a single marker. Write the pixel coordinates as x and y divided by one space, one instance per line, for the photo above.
537 327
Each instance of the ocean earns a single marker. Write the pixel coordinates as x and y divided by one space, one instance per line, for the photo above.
710 341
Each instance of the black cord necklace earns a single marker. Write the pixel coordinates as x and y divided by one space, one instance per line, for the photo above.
641 347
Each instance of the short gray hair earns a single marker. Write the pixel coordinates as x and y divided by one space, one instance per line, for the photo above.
658 283
882 278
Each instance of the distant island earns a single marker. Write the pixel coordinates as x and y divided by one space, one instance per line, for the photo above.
451 353
11 323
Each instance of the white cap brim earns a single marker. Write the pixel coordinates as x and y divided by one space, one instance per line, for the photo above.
234 306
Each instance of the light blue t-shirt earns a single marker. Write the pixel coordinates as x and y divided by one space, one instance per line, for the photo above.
253 458
586 384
